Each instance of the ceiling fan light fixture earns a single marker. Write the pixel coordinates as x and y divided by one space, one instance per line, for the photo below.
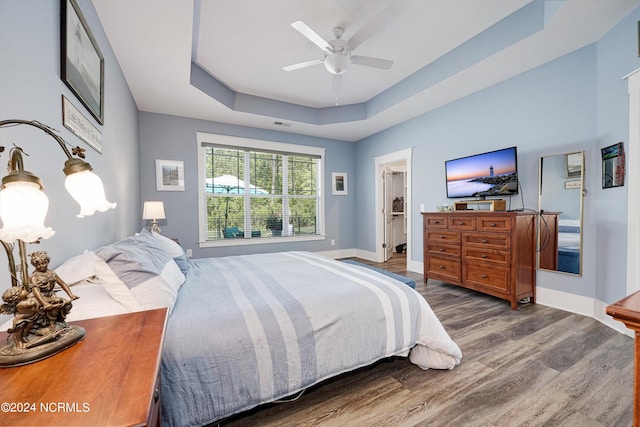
337 63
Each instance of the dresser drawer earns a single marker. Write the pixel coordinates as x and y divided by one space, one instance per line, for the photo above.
493 277
442 250
489 223
442 236
462 223
487 255
442 268
487 240
435 222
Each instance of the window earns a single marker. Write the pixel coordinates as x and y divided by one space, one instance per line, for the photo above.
254 191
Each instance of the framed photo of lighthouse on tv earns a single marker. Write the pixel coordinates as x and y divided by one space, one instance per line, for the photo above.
493 173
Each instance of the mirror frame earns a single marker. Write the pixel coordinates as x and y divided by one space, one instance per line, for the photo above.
549 223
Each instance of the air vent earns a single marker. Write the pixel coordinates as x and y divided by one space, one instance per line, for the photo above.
279 123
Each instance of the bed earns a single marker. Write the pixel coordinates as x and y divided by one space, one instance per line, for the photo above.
569 245
251 329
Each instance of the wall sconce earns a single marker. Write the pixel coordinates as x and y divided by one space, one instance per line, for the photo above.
153 211
39 329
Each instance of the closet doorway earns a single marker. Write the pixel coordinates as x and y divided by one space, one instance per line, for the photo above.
393 202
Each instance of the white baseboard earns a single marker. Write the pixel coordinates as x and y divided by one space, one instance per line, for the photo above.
584 306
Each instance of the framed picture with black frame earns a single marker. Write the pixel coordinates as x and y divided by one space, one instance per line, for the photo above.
81 62
613 165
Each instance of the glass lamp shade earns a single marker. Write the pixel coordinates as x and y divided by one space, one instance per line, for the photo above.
337 63
87 189
23 208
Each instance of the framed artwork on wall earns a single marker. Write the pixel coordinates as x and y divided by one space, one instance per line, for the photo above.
613 167
339 185
81 62
77 123
169 175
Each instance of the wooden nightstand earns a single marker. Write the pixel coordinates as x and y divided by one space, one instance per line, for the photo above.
112 377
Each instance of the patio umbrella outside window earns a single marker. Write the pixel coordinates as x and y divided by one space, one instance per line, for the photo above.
229 184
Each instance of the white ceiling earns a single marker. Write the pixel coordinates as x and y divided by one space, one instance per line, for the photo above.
244 44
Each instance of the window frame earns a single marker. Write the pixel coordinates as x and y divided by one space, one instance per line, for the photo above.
234 142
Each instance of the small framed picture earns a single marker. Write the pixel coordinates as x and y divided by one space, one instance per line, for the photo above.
77 123
575 184
573 166
82 63
169 175
339 185
613 165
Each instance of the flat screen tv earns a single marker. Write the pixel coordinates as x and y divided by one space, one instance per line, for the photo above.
494 173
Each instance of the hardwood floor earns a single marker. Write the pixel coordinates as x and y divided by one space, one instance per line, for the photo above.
536 366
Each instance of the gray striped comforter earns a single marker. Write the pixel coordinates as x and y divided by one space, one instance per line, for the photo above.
251 329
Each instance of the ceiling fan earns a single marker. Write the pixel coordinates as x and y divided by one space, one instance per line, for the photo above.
338 52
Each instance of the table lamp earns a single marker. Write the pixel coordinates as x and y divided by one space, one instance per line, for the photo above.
154 211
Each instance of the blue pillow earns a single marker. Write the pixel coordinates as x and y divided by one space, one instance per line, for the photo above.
174 250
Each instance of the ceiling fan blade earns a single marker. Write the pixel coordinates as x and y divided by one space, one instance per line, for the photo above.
374 25
303 64
368 61
306 31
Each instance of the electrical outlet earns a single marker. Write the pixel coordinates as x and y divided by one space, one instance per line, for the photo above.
333 242
189 253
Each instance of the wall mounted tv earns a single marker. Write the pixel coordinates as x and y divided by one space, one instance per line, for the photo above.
494 173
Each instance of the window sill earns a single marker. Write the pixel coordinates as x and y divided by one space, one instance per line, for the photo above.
259 241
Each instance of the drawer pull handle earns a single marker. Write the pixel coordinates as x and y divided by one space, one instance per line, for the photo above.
493 224
484 256
156 396
436 222
443 237
484 240
441 267
484 276
461 223
441 249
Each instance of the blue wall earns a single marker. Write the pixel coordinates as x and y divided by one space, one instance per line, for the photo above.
173 138
617 57
31 89
577 102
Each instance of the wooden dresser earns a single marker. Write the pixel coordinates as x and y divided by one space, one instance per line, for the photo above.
489 252
109 378
627 311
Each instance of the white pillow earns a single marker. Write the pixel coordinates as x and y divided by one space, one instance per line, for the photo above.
93 301
77 268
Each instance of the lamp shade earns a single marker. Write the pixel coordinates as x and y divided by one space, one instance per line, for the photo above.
153 210
87 189
23 208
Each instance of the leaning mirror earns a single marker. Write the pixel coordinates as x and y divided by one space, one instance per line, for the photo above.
560 205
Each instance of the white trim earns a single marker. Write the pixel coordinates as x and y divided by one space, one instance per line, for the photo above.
223 243
380 161
581 305
633 182
257 144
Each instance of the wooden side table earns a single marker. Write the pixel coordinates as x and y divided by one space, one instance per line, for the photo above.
112 377
627 311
